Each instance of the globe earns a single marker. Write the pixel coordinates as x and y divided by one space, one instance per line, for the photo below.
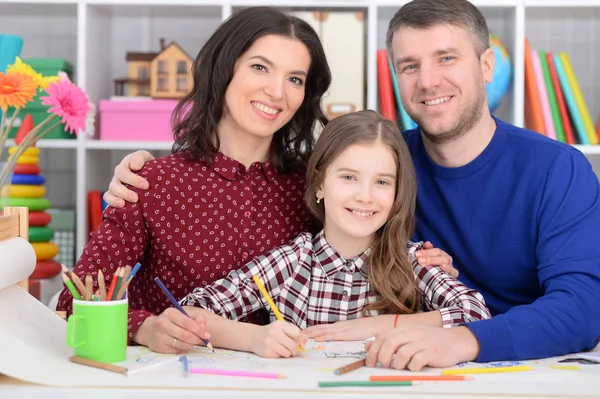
502 74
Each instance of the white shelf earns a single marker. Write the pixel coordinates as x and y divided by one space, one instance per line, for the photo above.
95 35
589 149
127 145
49 143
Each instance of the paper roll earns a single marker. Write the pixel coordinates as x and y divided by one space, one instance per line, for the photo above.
17 261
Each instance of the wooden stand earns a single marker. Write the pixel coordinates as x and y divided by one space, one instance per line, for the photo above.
15 223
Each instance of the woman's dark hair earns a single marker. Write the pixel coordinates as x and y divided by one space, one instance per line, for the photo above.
197 115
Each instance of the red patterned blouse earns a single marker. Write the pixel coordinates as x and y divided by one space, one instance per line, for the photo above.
193 226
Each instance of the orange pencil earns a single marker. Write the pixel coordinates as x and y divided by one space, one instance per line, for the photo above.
419 378
113 283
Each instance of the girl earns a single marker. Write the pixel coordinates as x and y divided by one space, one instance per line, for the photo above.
361 186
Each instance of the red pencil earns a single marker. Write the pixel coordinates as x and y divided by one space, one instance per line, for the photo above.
113 283
419 378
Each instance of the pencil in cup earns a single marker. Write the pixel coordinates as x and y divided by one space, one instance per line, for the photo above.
178 307
267 297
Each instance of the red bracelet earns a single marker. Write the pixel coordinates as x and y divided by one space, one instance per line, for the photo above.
396 320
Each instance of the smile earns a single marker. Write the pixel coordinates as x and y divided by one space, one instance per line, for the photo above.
361 214
265 109
437 101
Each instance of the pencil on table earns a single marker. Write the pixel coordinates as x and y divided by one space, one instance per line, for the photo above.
267 297
186 367
420 378
98 365
101 285
70 286
352 366
78 283
486 370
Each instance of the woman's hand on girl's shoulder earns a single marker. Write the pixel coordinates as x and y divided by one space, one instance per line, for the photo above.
432 256
117 193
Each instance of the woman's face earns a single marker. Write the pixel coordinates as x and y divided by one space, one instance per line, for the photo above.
267 87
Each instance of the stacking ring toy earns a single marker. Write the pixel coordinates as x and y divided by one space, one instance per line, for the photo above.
28 179
26 191
44 250
46 269
39 218
27 169
27 160
40 234
34 204
30 152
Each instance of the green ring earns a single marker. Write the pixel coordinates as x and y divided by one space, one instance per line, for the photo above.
40 234
34 204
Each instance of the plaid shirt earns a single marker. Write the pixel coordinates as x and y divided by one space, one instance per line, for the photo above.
311 284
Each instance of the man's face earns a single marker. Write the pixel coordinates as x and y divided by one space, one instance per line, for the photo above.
441 79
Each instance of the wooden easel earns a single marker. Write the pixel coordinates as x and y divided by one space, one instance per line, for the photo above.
15 223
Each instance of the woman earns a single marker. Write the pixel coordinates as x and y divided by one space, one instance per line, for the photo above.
232 189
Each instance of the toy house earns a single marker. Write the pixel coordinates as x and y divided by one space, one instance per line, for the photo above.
161 75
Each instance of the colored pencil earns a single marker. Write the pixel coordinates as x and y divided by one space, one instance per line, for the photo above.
78 283
186 367
267 297
121 293
101 285
330 384
89 287
98 365
178 306
350 367
114 296
419 378
237 373
113 282
560 367
134 271
70 286
486 370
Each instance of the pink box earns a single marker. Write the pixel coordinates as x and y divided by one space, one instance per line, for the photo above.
136 120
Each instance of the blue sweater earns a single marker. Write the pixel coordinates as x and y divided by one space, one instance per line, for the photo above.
522 224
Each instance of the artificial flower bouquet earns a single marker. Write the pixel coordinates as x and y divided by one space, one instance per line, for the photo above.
69 104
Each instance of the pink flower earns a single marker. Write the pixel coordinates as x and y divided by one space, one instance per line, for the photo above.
69 102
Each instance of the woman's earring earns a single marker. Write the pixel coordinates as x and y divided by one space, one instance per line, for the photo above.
318 200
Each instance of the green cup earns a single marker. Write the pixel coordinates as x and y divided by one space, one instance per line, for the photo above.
97 330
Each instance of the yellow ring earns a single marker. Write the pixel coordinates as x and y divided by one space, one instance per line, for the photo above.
26 160
30 152
26 191
44 250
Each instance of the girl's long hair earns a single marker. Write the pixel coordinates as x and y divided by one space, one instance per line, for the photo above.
390 271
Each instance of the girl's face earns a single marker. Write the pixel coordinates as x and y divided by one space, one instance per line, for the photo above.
358 193
267 87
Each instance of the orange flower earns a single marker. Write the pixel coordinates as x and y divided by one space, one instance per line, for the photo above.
16 90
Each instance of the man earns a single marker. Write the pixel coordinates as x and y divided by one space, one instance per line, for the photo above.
518 212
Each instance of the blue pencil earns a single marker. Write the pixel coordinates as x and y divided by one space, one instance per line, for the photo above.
178 306
134 271
186 368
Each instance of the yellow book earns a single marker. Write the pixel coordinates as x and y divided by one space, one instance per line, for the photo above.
579 100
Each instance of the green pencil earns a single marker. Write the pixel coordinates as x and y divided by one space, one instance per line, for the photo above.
70 286
328 384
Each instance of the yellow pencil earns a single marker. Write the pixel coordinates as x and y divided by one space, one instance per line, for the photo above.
486 370
561 367
263 291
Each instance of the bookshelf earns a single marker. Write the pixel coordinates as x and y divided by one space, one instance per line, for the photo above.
94 36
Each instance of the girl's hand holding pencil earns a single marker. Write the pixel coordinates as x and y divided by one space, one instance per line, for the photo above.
278 339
